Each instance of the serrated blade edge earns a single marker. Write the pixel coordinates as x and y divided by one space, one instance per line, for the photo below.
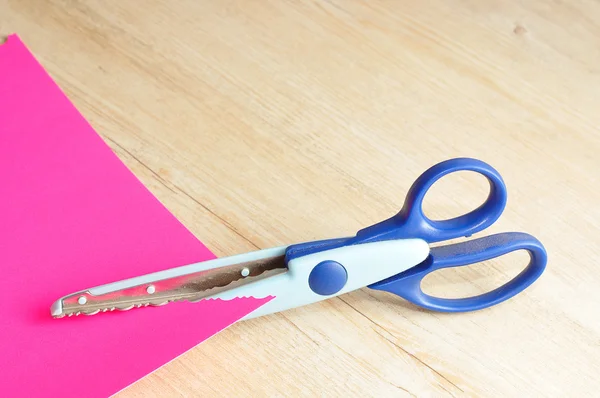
191 287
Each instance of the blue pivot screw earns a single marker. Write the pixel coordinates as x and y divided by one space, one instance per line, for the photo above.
327 278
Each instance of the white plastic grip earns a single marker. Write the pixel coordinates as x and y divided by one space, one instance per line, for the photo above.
364 263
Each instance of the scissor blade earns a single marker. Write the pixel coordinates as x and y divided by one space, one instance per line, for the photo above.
151 290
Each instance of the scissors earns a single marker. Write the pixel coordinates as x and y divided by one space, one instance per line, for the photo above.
393 255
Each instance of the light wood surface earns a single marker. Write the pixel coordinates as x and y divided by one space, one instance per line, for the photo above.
263 123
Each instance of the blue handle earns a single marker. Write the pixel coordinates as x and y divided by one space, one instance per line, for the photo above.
408 283
411 222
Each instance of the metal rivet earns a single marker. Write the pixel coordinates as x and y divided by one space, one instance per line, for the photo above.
151 289
245 272
82 300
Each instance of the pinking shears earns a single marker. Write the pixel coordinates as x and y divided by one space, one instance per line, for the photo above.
393 255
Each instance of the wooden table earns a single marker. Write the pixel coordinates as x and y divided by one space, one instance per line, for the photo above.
262 123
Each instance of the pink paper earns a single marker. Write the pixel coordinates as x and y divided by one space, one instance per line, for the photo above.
72 216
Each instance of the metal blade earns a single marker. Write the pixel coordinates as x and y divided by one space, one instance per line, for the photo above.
191 287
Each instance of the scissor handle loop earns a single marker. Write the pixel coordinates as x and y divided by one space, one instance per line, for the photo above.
408 284
411 222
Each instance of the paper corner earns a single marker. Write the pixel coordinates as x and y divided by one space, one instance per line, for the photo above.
7 40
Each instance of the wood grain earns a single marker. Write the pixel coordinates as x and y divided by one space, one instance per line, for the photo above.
262 123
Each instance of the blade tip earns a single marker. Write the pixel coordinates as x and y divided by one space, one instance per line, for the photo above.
56 310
